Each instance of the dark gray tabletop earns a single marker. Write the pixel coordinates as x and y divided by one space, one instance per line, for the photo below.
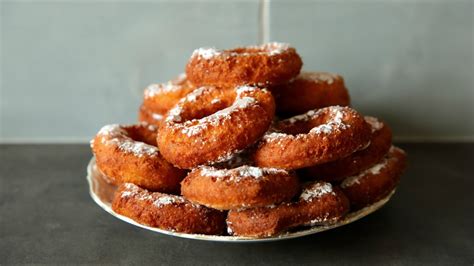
47 216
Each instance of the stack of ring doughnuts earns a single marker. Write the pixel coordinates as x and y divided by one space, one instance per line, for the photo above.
245 144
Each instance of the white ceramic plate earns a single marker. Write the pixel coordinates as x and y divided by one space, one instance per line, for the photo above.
102 193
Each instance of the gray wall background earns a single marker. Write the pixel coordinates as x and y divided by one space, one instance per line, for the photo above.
69 67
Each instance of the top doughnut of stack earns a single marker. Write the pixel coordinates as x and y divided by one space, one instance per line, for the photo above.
266 65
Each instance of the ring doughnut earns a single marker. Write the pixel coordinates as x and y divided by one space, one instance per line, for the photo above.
309 91
168 212
241 187
319 203
158 98
265 65
211 124
380 143
328 134
127 154
146 116
376 182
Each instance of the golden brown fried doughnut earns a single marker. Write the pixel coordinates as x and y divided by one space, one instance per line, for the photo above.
328 134
358 161
310 90
129 154
210 124
168 212
146 116
375 183
265 65
159 98
319 203
241 187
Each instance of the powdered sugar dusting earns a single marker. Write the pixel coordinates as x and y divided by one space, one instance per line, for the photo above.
337 113
133 191
250 171
239 173
352 180
130 191
156 116
174 114
192 96
374 170
155 89
323 219
335 123
316 190
225 157
237 159
158 199
214 172
303 117
244 102
170 86
137 148
192 128
113 130
167 200
374 123
206 52
243 89
273 48
116 135
324 128
274 136
317 77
